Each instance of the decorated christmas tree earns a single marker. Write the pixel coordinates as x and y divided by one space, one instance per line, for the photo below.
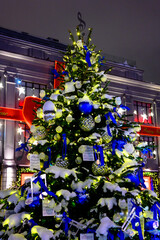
88 181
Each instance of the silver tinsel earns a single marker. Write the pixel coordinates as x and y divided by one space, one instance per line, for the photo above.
60 162
87 123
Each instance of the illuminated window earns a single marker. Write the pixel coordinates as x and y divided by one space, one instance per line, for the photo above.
151 143
143 112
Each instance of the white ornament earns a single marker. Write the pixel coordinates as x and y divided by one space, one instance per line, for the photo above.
122 203
74 67
42 93
69 118
69 87
78 84
48 111
118 100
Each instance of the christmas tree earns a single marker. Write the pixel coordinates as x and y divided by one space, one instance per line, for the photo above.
88 182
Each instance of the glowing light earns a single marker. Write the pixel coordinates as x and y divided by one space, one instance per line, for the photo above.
20 142
151 114
1 125
1 85
135 112
21 90
154 152
20 130
144 116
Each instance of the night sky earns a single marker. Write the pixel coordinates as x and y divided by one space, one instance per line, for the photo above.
123 28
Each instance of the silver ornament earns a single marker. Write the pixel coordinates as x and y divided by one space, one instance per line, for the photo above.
99 170
106 138
87 123
62 162
48 111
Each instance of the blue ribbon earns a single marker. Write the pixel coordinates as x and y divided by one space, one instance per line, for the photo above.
124 107
64 148
114 109
155 208
107 116
120 235
56 74
100 60
146 150
88 54
136 220
89 230
82 197
43 186
110 236
118 144
67 220
100 150
140 174
23 146
47 163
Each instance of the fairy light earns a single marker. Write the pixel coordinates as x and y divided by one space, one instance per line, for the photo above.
135 112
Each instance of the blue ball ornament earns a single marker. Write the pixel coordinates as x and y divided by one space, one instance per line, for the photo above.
85 107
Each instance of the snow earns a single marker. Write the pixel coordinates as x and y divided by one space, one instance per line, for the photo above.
19 206
104 226
13 198
14 220
109 202
79 186
113 187
44 233
5 193
61 172
66 194
16 236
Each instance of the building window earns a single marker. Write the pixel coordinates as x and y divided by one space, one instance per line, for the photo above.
143 112
150 143
29 89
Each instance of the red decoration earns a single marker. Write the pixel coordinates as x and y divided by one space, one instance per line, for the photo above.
28 109
150 131
59 66
25 176
24 115
147 181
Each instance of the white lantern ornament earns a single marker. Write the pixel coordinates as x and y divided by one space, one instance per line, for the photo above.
48 111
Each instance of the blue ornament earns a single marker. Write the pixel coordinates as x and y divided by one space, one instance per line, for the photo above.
85 107
151 224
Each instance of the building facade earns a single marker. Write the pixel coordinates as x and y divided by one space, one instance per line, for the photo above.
26 64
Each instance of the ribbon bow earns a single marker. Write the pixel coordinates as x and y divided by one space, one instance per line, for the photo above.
67 220
107 116
43 186
88 54
64 149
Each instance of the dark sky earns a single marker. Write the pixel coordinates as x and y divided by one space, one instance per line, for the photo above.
124 28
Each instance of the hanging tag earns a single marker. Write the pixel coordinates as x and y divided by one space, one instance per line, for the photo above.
88 155
46 210
34 162
87 236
